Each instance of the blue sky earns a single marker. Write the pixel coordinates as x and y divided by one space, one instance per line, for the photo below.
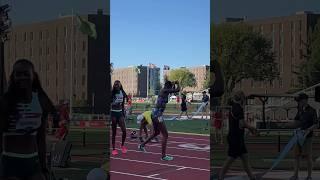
28 11
255 9
162 32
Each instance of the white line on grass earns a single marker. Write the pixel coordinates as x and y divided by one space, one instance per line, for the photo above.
136 175
161 164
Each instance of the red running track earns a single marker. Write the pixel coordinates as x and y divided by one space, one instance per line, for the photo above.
191 159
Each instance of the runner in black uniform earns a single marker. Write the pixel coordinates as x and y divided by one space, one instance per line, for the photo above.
184 107
117 115
24 109
157 118
237 147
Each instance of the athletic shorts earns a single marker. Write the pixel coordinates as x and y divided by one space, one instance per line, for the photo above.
19 167
237 147
304 150
117 115
157 115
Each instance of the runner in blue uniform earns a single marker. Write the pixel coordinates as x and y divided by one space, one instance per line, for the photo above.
157 118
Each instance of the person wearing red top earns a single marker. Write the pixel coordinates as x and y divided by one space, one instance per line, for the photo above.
218 126
64 121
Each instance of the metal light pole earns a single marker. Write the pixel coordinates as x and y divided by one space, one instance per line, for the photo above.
5 24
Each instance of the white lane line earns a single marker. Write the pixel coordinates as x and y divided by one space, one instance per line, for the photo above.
161 164
189 157
181 168
154 175
168 147
136 175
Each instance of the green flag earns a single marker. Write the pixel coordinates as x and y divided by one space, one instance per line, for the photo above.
137 70
87 27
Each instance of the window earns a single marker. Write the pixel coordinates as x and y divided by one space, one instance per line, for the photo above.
47 34
24 36
293 39
40 51
272 84
301 53
83 46
300 33
273 36
56 48
252 83
65 31
292 83
41 35
65 48
65 65
281 65
31 36
83 80
83 63
75 47
280 83
31 53
57 32
300 26
48 51
83 96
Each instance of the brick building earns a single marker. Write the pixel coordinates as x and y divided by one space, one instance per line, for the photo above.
48 45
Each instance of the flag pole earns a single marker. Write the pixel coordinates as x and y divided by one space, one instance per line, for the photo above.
71 67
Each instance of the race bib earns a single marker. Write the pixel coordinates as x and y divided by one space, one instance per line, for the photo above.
28 124
119 98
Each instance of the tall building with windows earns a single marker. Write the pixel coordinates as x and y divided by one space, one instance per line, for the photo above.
289 36
48 45
136 80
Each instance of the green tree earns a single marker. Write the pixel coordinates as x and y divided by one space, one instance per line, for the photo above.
309 72
242 53
184 77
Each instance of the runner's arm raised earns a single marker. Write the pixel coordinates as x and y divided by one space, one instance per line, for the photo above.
172 90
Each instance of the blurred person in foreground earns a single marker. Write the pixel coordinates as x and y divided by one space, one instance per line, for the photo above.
23 121
305 120
237 125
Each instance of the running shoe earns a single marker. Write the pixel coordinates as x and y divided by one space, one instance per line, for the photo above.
123 149
167 158
115 152
141 148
